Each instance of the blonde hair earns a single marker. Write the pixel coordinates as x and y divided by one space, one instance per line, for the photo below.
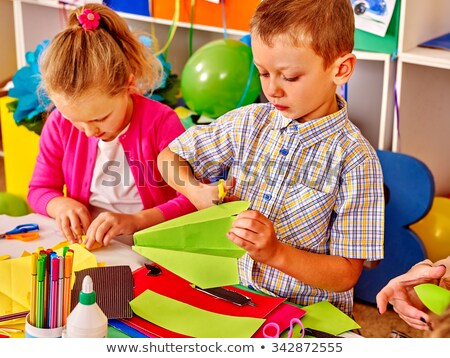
326 26
102 59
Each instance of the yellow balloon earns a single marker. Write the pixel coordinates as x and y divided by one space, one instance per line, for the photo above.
434 229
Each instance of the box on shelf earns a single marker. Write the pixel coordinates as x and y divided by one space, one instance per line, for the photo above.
138 7
238 12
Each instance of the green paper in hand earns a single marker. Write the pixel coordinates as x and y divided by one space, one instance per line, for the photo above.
202 232
195 268
435 298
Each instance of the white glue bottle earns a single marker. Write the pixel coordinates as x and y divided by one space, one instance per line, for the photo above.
87 319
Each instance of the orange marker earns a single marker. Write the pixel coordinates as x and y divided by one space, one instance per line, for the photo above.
68 265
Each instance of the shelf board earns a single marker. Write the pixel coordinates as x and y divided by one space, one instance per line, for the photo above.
427 57
372 56
149 19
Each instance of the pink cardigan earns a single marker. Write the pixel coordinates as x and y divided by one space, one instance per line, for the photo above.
67 157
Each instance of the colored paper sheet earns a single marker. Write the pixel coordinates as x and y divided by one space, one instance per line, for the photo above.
325 317
195 268
174 286
116 330
15 279
189 320
202 232
435 298
281 315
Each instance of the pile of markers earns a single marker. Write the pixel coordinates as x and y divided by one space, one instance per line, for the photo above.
50 288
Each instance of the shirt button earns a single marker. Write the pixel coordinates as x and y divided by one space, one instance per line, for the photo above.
284 151
267 197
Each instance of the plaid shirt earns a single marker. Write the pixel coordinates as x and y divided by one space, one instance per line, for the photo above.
319 182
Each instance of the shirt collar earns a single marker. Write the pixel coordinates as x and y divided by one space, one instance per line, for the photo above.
315 130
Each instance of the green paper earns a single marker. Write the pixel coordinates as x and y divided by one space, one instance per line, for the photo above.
202 270
202 232
191 321
115 333
325 317
435 298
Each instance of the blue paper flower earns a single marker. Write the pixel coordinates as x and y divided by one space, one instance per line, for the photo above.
26 83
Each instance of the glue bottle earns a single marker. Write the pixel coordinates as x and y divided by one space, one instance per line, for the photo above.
87 319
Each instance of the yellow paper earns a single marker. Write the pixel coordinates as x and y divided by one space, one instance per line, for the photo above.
15 279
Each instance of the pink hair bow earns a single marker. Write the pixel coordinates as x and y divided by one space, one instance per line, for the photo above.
89 20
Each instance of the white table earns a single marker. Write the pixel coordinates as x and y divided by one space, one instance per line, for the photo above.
116 253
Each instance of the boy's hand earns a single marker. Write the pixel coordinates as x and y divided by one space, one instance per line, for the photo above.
71 217
206 195
255 233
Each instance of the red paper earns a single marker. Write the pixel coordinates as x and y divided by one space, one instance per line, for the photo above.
173 286
170 285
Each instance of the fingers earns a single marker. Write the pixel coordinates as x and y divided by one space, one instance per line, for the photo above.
411 315
383 297
70 228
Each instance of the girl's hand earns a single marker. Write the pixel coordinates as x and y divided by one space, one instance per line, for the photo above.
107 226
72 217
255 233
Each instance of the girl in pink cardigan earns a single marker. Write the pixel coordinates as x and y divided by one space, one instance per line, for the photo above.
101 142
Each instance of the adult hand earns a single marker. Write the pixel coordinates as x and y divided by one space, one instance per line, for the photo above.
400 293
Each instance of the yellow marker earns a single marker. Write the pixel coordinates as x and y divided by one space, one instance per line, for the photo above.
4 257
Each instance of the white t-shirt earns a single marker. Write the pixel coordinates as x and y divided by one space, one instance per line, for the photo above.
113 187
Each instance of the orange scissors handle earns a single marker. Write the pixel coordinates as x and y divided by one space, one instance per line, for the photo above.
26 236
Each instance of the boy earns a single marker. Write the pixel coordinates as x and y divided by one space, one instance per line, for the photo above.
314 182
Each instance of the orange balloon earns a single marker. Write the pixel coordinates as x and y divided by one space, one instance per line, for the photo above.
434 229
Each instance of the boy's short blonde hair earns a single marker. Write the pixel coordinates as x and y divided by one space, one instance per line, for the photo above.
102 59
327 26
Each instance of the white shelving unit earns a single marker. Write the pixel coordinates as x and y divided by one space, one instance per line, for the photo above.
423 88
370 107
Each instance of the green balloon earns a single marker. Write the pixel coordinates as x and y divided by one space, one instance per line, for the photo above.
12 205
219 77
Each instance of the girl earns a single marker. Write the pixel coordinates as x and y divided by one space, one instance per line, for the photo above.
102 140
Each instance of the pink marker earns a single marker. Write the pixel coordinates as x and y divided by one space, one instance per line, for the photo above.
54 292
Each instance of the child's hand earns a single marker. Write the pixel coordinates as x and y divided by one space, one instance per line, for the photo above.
206 195
255 233
71 217
107 226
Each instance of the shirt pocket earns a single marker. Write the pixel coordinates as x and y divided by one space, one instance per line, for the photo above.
304 218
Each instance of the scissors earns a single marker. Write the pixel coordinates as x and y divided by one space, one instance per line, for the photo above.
277 328
24 232
222 192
